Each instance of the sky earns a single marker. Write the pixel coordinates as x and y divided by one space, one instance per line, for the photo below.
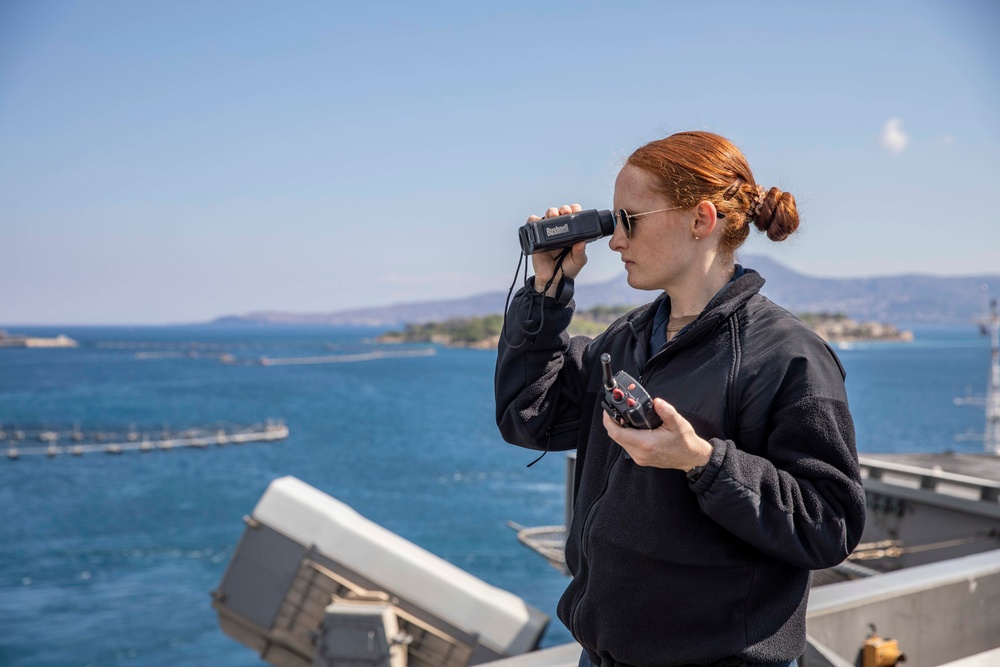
173 162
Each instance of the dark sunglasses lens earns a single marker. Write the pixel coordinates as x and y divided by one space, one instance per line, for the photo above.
625 222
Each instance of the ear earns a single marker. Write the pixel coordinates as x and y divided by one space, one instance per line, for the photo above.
705 219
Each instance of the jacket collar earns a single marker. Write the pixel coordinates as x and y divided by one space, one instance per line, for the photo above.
734 295
731 298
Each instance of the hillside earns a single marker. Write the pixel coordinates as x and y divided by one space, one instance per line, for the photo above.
484 332
904 299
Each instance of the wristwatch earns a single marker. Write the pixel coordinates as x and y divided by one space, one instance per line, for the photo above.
694 473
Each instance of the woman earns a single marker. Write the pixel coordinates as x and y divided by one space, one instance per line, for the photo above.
691 543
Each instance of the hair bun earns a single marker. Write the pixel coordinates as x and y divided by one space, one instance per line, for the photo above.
778 215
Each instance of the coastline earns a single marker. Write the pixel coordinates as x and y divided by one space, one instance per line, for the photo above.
836 329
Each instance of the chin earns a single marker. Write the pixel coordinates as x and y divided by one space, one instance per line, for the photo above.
637 283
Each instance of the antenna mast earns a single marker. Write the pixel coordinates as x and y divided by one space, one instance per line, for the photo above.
991 434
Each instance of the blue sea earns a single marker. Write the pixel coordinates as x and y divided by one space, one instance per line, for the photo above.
110 560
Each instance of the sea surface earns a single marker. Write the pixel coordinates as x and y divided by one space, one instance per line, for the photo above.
110 560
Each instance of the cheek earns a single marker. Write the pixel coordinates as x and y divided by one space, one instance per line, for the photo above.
667 242
657 246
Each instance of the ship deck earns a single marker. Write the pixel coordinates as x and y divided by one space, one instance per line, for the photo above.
972 465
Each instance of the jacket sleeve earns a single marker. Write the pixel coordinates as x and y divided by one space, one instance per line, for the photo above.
539 384
802 500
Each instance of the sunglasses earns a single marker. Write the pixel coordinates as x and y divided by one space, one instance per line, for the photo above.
624 218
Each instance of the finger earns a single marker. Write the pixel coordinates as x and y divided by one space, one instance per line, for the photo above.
533 218
576 259
629 439
612 427
565 209
576 208
608 422
626 437
551 212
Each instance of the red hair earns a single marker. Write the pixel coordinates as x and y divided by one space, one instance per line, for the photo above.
691 167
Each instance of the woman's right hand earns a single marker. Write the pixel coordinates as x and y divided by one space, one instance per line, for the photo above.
544 263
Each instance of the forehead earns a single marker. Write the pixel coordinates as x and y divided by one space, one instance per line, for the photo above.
634 187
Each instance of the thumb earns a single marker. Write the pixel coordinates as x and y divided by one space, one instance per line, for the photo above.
668 413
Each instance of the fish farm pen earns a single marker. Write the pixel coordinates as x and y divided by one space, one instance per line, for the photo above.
74 441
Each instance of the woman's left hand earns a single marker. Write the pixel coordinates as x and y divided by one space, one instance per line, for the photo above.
673 445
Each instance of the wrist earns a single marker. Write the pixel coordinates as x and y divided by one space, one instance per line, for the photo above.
698 463
539 286
561 290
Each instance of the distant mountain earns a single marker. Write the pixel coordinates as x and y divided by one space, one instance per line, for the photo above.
393 315
906 299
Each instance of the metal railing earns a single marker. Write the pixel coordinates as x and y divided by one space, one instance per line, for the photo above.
929 479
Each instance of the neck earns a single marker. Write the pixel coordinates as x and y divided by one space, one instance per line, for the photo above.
690 296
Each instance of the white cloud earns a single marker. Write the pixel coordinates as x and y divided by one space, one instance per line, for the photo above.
893 139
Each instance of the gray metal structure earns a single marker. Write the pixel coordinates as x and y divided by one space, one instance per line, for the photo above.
939 612
361 633
309 567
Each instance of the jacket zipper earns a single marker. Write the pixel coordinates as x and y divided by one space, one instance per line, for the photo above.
583 544
637 340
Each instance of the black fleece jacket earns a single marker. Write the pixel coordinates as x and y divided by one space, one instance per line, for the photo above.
671 572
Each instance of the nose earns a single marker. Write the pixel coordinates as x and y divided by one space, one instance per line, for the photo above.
618 241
